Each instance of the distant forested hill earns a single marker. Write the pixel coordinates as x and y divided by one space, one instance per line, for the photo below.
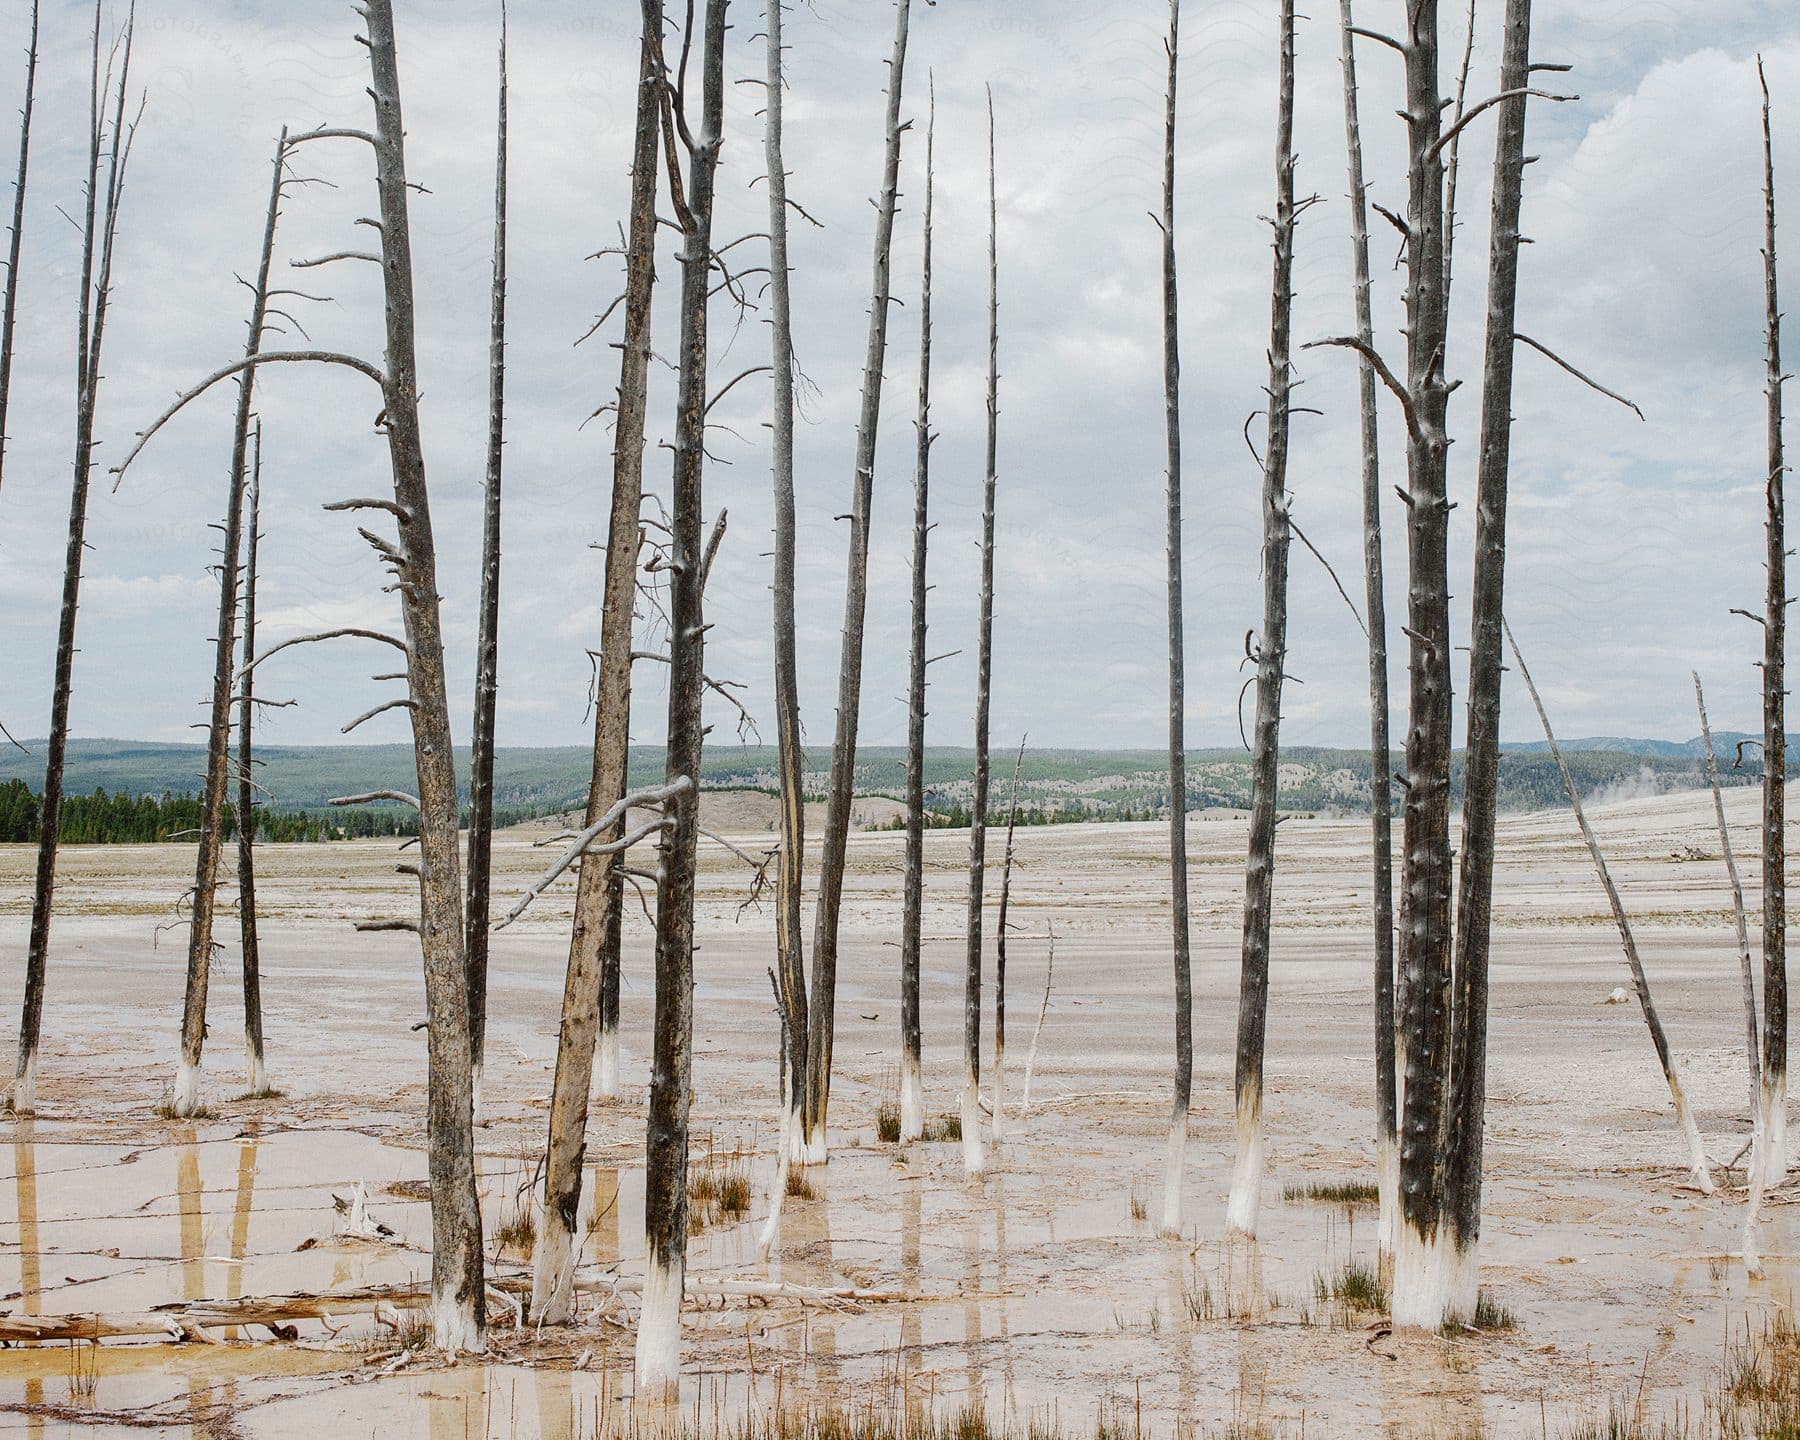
1061 784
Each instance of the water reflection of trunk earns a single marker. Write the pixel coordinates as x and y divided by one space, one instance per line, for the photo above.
603 1228
555 1405
31 1278
823 1272
909 1271
1006 1366
1181 1330
240 1223
193 1248
971 1286
456 1405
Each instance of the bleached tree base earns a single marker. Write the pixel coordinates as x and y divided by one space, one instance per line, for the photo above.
1242 1209
765 1242
24 1092
454 1328
1775 1147
1462 1280
606 1065
809 1147
552 1270
475 1093
912 1100
997 1129
1387 1190
974 1157
186 1099
256 1070
1421 1298
1172 1176
1753 1176
657 1362
1690 1130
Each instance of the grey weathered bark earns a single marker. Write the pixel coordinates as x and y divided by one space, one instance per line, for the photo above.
790 867
658 1362
1381 801
1671 1072
1420 1283
1774 884
1271 662
9 308
841 784
1178 869
590 1006
487 643
973 1159
1475 898
186 1097
1453 151
912 1102
1006 869
99 229
255 1060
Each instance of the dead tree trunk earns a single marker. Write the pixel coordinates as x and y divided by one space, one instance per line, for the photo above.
1381 804
1671 1072
973 1159
10 306
186 1097
457 1293
1178 877
790 868
912 1099
658 1354
1747 968
99 229
1420 1293
1006 869
487 657
1271 659
590 1004
255 1062
1774 885
842 782
1475 899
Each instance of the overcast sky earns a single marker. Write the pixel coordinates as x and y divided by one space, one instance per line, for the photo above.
1630 541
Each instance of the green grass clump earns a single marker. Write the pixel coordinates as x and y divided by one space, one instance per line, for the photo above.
887 1122
1356 1285
1332 1192
717 1193
942 1128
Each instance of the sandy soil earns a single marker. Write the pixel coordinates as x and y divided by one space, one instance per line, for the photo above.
1047 1293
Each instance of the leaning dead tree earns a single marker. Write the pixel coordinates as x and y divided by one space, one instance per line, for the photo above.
1270 656
790 866
9 307
1774 884
487 657
1475 897
1178 878
1753 1167
1381 799
590 1006
457 1295
912 1096
255 1060
108 151
973 1159
1684 1115
842 781
658 1353
203 899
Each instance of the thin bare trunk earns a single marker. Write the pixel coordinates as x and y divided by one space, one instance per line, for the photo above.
974 1160
1475 900
1453 151
1178 868
1037 1032
1420 1283
255 1062
658 1363
487 657
912 1103
218 749
1381 801
1271 661
842 782
99 228
1747 968
590 1007
1671 1073
1774 884
10 306
1006 869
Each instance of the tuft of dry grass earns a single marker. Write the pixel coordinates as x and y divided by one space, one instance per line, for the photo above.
798 1186
1332 1192
1353 1284
941 1128
717 1193
887 1122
